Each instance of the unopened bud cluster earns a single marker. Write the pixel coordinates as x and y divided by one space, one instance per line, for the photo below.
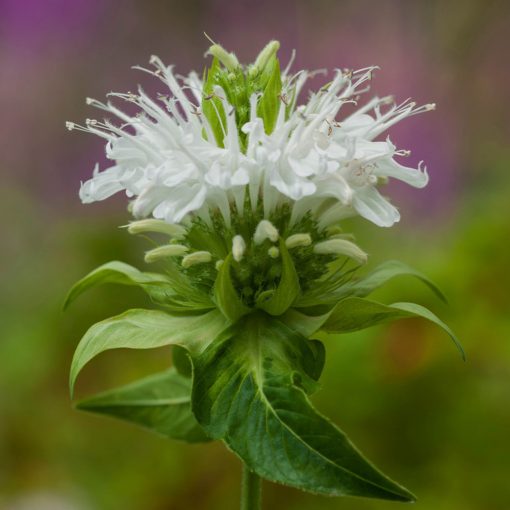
254 244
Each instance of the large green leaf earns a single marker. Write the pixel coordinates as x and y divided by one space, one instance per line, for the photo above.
160 403
146 329
384 273
279 300
353 314
250 389
226 296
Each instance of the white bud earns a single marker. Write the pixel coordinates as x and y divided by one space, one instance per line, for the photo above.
218 264
265 230
273 252
163 252
198 257
238 248
341 247
158 226
296 240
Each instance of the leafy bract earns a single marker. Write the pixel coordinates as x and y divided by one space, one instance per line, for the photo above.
269 104
250 389
227 298
353 314
169 290
288 287
212 106
385 272
341 284
119 272
146 329
160 403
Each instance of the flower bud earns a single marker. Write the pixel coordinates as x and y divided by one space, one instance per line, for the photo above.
229 60
238 248
163 252
198 257
296 240
265 230
341 247
273 252
157 226
265 56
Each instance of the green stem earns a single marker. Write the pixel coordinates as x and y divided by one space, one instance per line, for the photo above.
250 490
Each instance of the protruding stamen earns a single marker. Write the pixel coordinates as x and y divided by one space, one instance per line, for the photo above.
238 248
198 257
273 252
157 226
265 230
296 240
70 125
341 247
163 252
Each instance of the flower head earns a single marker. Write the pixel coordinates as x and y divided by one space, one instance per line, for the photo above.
241 134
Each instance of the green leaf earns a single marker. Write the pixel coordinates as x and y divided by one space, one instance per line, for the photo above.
226 296
160 403
269 104
118 272
382 274
279 301
353 314
146 329
249 390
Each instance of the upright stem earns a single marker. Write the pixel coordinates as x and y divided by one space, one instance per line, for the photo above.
250 490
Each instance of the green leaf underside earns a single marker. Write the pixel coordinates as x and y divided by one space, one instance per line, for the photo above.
249 390
354 314
226 296
146 329
288 288
160 403
161 288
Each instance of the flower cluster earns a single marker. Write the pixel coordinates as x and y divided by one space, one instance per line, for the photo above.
241 135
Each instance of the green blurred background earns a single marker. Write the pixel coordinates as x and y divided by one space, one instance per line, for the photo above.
438 425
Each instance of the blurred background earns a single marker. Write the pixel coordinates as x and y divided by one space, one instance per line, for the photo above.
436 424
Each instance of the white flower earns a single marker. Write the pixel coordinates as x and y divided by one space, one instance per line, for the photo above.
166 158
